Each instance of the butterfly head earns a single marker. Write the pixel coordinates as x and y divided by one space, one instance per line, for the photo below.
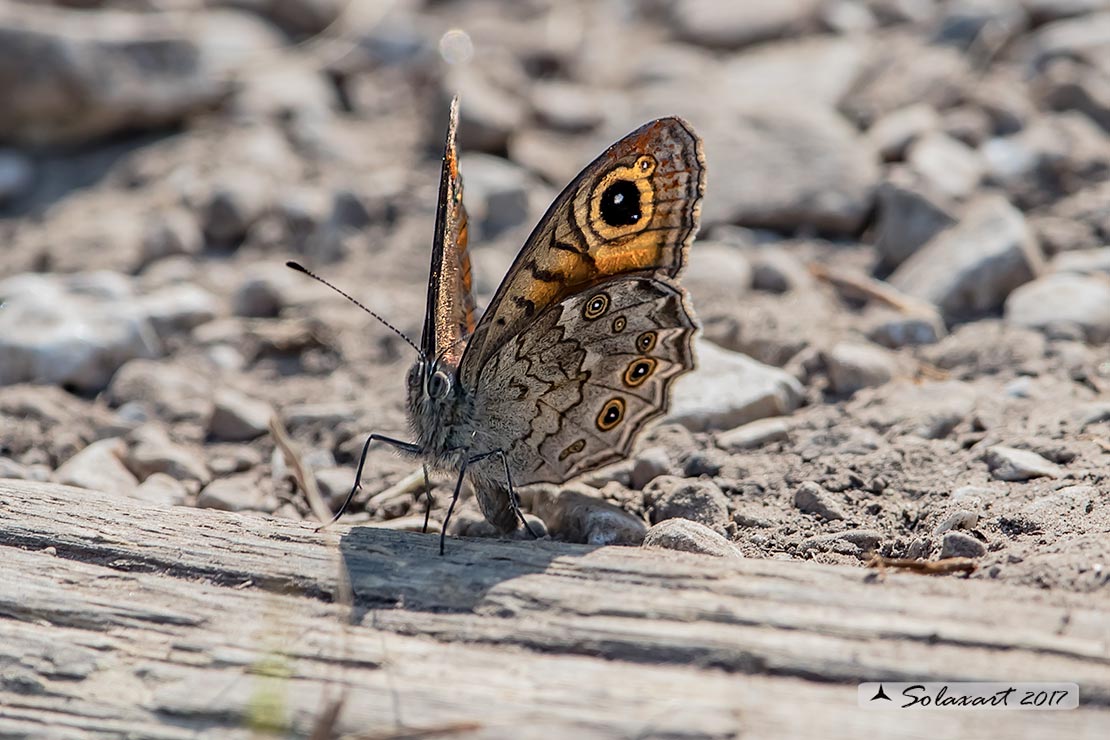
431 380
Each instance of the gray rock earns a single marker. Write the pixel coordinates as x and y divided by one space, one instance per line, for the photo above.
689 536
948 167
856 542
804 165
1078 300
335 484
848 17
893 133
777 271
852 366
961 519
153 452
811 498
490 110
263 294
734 25
895 329
238 417
960 545
649 464
1067 500
150 71
235 204
99 467
697 500
17 175
717 272
808 70
1083 262
175 392
755 434
575 513
497 194
565 106
970 268
162 490
1044 11
237 493
179 308
728 389
908 216
1008 463
71 330
170 232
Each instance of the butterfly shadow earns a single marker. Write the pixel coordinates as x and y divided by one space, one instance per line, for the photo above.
404 570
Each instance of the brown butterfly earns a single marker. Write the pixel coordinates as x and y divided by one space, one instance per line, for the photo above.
577 350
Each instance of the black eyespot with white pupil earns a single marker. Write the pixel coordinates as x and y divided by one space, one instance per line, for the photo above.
646 342
596 307
611 414
638 371
620 204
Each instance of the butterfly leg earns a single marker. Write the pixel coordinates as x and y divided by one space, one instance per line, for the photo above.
428 494
451 507
400 445
514 500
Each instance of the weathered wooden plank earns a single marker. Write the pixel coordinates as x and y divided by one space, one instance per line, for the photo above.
177 622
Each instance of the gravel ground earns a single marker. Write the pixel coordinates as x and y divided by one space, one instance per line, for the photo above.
902 273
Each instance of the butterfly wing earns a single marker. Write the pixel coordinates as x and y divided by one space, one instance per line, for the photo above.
633 210
449 317
571 392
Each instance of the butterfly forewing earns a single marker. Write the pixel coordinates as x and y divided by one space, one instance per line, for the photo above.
634 210
449 318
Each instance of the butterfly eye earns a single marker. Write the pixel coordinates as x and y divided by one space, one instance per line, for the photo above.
596 307
439 385
611 414
618 324
638 371
646 342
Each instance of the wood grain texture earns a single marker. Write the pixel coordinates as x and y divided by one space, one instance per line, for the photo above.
184 623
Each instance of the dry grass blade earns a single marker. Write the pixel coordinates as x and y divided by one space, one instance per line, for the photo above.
305 481
860 286
415 733
927 567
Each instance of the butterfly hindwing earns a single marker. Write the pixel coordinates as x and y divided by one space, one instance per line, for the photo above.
571 392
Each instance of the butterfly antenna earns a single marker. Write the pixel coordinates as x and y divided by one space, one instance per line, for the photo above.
301 268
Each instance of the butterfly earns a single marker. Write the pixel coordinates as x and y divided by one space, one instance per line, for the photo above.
577 350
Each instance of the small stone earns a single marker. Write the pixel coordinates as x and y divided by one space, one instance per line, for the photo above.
697 500
811 498
237 493
11 469
970 268
962 519
960 545
233 207
728 389
335 484
852 366
1010 464
262 295
1082 301
567 107
154 453
755 434
17 175
717 273
710 462
689 536
175 392
490 111
237 417
1083 262
775 270
72 330
161 490
497 194
99 467
648 465
856 542
171 232
909 215
894 132
179 308
735 25
950 167
575 513
896 329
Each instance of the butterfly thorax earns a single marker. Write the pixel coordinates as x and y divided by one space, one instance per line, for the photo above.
439 413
